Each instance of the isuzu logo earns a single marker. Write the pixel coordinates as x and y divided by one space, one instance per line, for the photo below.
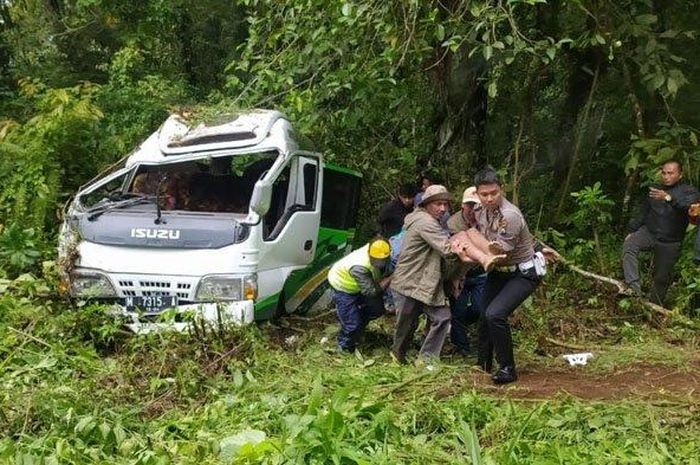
150 233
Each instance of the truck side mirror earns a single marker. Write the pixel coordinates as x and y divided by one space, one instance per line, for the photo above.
261 198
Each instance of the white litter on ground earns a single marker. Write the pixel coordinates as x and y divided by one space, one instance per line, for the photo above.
578 359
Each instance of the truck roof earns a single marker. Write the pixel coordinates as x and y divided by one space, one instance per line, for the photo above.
252 131
342 169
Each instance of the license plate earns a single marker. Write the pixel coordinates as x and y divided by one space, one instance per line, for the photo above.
151 303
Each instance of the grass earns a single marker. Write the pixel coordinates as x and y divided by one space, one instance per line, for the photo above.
75 389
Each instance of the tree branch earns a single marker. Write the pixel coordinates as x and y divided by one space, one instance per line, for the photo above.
619 284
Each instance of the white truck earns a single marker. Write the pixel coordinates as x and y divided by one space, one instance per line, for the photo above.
236 220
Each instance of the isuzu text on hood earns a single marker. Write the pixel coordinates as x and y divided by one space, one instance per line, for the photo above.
147 233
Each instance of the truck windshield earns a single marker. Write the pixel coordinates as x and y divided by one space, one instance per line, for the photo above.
221 184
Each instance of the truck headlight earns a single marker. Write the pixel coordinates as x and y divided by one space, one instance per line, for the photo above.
89 284
219 287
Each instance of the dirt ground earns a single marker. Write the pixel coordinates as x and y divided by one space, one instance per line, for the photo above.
630 382
653 382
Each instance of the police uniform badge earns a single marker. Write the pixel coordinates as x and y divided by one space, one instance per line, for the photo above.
502 225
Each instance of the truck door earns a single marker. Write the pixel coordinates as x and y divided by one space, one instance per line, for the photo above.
290 227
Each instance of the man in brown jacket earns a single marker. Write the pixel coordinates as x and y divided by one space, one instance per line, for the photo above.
418 280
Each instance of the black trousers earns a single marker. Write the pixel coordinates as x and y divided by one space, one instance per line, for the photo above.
503 293
665 257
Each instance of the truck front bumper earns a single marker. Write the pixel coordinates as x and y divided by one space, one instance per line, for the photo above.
237 313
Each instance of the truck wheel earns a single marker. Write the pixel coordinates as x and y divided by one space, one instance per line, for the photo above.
310 302
280 310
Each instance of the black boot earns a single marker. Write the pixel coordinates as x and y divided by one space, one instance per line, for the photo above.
505 375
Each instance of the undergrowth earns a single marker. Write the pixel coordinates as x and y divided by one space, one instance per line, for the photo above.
78 389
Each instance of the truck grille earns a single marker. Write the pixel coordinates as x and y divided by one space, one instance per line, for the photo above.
134 286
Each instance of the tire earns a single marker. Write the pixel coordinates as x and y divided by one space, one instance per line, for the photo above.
280 310
309 302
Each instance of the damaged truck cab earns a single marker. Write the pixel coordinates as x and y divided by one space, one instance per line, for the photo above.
232 221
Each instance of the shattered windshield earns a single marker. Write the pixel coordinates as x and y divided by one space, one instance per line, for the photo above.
106 193
221 184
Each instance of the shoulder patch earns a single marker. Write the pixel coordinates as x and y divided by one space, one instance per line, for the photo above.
512 216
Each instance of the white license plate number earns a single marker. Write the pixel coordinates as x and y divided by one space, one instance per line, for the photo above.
151 303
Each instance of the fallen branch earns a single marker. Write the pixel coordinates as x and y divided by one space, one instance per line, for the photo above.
567 345
289 327
221 358
619 284
405 383
29 336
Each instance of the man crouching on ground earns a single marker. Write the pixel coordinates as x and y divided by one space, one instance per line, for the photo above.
358 290
417 282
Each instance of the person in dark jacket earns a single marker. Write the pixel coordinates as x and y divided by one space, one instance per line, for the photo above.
393 212
465 306
659 227
425 182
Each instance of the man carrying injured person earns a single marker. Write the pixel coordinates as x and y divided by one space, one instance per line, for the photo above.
511 281
418 281
358 290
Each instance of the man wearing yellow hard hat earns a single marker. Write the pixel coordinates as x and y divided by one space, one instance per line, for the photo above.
358 289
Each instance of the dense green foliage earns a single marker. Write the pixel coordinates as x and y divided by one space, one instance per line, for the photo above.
574 102
557 95
75 389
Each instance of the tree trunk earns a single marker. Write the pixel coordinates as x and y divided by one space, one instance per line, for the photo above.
633 177
460 128
599 250
580 82
578 137
526 127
